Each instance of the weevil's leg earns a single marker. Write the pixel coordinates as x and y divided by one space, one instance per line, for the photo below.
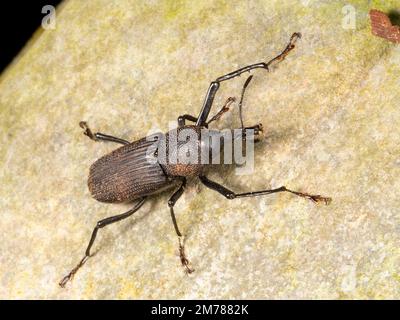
100 224
171 203
100 136
213 88
183 118
231 195
228 102
241 100
225 108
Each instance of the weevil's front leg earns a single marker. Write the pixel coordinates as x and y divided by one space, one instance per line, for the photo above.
225 108
214 86
100 136
100 224
231 195
171 203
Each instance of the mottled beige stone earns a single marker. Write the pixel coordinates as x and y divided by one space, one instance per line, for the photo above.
332 117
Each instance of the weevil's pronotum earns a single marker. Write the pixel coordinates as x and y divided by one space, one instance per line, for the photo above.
127 175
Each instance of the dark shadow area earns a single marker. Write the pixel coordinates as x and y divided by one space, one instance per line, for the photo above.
18 22
394 16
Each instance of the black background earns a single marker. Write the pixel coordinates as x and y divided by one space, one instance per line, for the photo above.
18 21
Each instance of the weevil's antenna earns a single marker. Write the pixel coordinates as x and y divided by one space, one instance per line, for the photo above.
224 109
241 99
228 102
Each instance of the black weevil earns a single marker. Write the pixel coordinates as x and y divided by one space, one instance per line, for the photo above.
127 174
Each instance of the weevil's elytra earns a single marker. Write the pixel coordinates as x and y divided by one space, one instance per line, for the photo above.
126 174
110 177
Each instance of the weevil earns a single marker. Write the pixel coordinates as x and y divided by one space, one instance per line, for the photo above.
127 175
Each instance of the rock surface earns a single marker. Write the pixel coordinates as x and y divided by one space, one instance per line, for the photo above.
331 116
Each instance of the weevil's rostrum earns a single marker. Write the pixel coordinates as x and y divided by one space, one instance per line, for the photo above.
144 167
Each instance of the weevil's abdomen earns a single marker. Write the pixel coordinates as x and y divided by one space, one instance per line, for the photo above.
126 174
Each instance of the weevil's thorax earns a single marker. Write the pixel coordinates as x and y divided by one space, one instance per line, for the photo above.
179 152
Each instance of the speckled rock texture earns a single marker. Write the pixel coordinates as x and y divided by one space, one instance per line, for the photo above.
331 116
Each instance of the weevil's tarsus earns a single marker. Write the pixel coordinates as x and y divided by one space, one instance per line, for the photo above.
214 86
70 275
314 198
291 45
185 262
171 203
100 224
224 109
98 136
232 195
87 131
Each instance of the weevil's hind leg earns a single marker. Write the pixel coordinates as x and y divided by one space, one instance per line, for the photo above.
171 202
231 195
100 224
100 136
182 119
214 86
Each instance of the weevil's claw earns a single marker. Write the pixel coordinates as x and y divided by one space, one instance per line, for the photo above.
87 131
290 46
318 198
314 198
295 36
70 275
65 280
185 262
293 39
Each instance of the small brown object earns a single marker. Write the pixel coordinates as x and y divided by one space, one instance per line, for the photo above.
382 26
